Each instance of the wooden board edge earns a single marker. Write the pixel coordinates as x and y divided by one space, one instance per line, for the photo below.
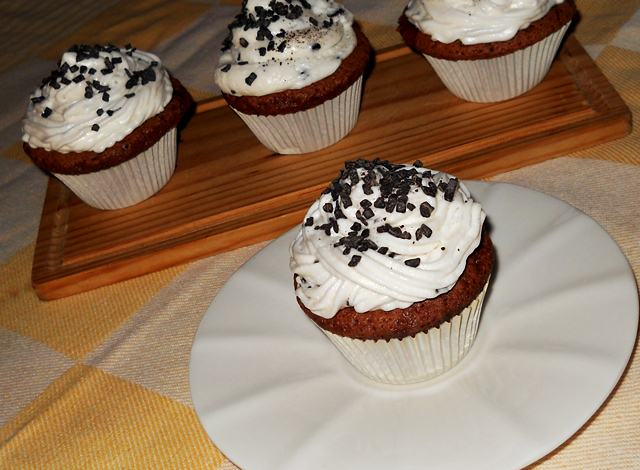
124 269
48 255
525 153
592 81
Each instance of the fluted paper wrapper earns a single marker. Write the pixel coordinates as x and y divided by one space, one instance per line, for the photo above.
309 130
129 182
418 358
501 78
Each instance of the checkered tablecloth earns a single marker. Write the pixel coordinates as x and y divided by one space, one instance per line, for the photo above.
100 379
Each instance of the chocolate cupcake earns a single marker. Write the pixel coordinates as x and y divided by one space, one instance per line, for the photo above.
293 72
392 263
104 123
487 51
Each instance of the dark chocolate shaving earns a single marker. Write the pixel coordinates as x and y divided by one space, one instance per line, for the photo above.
413 262
426 209
250 78
355 259
450 189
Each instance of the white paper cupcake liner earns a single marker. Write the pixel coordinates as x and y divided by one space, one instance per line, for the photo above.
129 182
309 130
501 78
418 358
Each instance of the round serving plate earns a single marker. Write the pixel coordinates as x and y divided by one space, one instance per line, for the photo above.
557 331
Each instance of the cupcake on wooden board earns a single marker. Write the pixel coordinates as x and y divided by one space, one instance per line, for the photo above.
292 70
484 50
392 262
104 123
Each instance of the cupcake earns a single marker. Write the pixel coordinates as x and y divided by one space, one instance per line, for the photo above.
104 123
293 72
487 51
392 263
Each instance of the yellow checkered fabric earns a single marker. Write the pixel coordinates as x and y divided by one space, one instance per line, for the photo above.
100 379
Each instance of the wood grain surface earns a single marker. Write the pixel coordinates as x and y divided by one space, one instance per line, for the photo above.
230 191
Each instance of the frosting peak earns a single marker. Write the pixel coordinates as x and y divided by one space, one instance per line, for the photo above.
475 21
279 45
384 236
96 97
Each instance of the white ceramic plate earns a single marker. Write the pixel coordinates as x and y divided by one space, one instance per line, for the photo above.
557 331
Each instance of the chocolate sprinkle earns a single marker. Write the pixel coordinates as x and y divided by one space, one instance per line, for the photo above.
250 78
46 112
355 259
308 222
450 189
423 231
413 262
430 190
226 68
361 218
426 209
395 184
95 128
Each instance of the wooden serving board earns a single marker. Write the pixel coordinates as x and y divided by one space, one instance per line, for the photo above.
230 191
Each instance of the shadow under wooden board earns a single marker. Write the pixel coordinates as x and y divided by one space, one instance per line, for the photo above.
230 191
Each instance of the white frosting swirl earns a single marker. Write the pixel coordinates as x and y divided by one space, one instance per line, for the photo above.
95 98
419 253
475 21
288 45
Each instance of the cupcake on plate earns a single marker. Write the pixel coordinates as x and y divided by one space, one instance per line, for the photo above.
104 123
292 70
487 51
392 262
